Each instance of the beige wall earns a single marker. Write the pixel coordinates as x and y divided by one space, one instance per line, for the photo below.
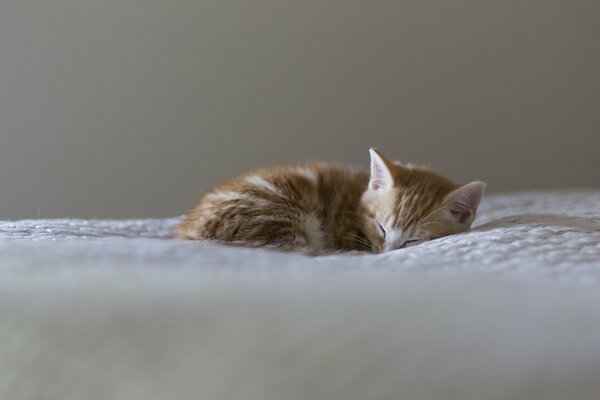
129 108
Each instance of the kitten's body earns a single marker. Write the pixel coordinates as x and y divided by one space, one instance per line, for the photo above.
302 206
322 208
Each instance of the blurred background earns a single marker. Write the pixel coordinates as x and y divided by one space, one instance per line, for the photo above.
130 108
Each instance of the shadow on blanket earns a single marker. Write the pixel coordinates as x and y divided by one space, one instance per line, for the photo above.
574 223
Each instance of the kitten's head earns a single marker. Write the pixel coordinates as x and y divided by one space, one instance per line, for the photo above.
406 205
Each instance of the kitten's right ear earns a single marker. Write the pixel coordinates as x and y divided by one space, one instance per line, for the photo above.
463 202
381 171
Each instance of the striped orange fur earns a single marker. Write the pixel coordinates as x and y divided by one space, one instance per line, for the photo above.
322 208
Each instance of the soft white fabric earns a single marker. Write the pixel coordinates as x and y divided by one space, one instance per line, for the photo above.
117 310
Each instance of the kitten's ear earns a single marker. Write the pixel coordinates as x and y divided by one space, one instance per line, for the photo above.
381 171
463 202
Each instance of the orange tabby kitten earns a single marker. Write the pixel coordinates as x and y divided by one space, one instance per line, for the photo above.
322 208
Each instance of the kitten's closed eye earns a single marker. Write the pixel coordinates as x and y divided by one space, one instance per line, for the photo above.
382 230
412 242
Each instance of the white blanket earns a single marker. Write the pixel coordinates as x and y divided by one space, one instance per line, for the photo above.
117 310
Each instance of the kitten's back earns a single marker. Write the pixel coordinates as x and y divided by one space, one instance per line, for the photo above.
291 207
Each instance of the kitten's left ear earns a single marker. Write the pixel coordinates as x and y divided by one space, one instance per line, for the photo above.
381 171
463 202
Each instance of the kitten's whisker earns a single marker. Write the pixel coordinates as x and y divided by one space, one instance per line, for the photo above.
365 243
360 240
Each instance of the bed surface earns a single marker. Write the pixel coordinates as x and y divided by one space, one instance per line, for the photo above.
115 309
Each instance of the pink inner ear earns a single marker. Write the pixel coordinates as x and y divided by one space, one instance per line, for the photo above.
463 202
381 177
461 214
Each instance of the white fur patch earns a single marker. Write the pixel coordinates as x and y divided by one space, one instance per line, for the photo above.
226 196
309 174
234 196
314 233
262 183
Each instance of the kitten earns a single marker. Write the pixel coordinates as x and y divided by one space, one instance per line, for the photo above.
323 208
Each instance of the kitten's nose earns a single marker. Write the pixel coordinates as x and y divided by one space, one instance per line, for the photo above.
392 246
393 241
